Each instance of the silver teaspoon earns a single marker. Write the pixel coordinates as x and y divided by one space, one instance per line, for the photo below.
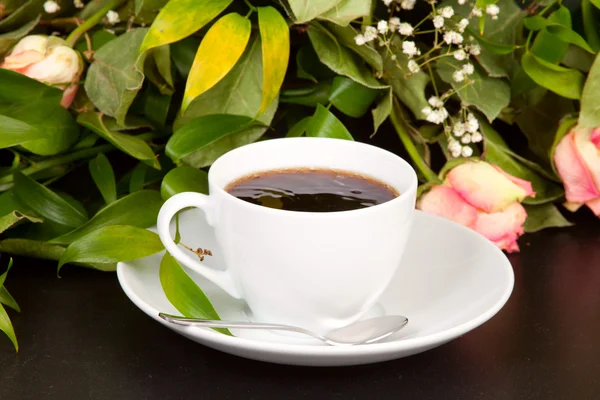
361 332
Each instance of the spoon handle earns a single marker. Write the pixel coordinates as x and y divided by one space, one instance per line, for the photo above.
232 324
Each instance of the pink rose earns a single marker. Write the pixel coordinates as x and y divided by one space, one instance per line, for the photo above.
484 198
577 159
48 60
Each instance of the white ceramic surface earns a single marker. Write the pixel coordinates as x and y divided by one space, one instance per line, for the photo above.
452 280
288 265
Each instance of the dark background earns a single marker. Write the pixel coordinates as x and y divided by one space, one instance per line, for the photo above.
81 338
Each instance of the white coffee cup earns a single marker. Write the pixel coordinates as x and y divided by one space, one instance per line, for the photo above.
319 271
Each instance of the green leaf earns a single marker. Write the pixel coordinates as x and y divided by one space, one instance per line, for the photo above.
131 145
14 132
179 19
577 58
305 10
308 95
497 153
29 10
98 38
157 68
589 117
46 203
204 131
544 216
115 77
590 24
489 95
138 178
184 294
156 105
299 128
220 49
347 11
382 111
111 244
566 82
409 89
7 328
568 35
339 58
350 97
275 37
7 299
239 93
32 249
9 39
547 45
345 36
183 53
104 177
184 179
139 209
324 124
535 22
9 220
308 65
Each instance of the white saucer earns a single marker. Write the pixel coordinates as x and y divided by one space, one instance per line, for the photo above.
457 281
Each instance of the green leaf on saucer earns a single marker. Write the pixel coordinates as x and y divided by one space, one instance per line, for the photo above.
46 203
111 244
104 178
324 124
184 294
544 216
139 209
184 179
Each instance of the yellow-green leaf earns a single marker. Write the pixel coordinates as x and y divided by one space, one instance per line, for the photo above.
275 37
220 49
179 19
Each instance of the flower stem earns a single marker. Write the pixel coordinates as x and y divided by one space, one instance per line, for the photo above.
400 127
92 21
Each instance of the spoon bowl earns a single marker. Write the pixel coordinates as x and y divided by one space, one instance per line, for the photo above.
362 332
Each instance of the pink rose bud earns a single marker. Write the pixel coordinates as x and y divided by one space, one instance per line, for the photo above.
48 60
484 198
577 160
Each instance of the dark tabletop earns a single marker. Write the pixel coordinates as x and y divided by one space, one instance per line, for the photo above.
81 338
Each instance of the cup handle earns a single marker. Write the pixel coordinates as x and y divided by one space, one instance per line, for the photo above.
223 279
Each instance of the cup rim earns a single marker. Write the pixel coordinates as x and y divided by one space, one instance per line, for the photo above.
412 187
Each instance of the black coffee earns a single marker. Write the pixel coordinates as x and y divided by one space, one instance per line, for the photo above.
311 190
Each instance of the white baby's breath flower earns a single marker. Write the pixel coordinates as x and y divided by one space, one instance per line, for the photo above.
476 12
446 12
492 9
472 125
426 111
458 129
435 101
408 4
406 29
466 151
51 7
458 76
387 2
452 37
468 69
394 24
409 48
476 137
382 27
462 25
370 33
475 49
438 21
454 146
465 139
112 17
78 4
437 116
359 39
460 55
413 66
462 2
